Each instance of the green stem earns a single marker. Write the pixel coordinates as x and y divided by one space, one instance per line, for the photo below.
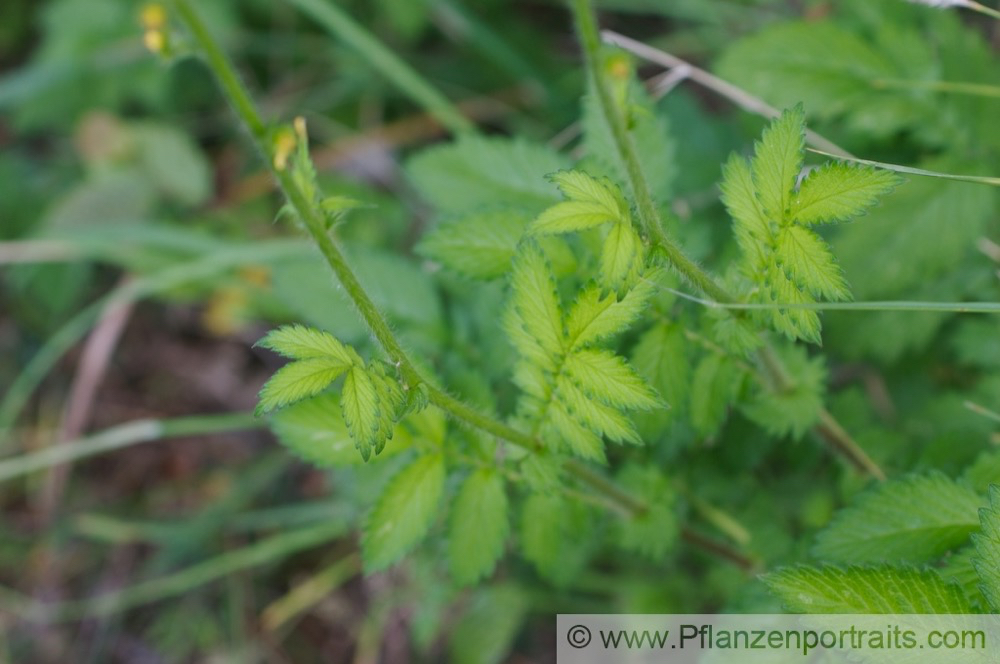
315 225
983 9
649 218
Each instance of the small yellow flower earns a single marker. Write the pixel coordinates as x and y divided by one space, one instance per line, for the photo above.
153 16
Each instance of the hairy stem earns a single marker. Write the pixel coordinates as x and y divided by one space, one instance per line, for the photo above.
831 432
314 222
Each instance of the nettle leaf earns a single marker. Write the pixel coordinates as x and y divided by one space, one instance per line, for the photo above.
362 409
476 172
596 317
298 380
479 245
797 407
655 532
914 519
621 258
404 512
857 590
314 430
534 320
837 192
777 161
609 379
553 536
479 526
987 560
591 202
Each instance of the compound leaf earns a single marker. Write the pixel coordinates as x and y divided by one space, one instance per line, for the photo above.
595 318
299 342
807 261
362 409
535 319
607 378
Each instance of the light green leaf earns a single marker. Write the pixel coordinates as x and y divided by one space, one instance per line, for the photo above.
298 380
838 192
314 430
300 343
534 321
858 590
594 318
777 161
778 288
987 560
404 512
479 526
476 172
914 519
563 429
741 201
362 409
570 216
480 244
606 377
807 261
621 258
599 418
591 202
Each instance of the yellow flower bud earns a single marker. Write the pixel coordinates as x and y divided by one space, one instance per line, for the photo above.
284 145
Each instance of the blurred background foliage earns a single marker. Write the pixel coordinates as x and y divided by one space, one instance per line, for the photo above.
134 219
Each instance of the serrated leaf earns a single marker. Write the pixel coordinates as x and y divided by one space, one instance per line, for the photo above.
807 261
534 322
621 258
599 418
654 532
553 534
914 519
777 161
476 172
608 378
300 343
778 288
858 590
479 526
792 410
741 201
362 409
298 380
563 430
987 560
314 430
570 216
595 318
837 192
480 244
404 512
591 202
